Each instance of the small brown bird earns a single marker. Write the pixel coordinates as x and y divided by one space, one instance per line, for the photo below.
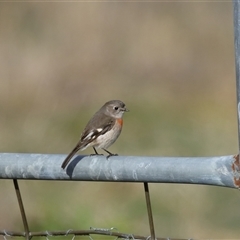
102 130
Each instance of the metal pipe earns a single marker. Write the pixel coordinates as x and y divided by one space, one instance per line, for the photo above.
218 171
236 16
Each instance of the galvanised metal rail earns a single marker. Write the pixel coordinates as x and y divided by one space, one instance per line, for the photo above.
217 171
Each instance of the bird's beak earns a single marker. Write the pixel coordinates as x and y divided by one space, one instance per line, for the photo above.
125 110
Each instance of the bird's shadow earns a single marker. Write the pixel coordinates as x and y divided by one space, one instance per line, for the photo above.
73 163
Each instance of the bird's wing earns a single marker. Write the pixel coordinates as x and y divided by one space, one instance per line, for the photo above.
95 128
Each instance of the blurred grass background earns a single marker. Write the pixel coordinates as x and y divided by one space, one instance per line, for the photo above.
173 66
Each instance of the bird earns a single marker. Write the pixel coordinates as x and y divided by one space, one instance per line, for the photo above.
102 130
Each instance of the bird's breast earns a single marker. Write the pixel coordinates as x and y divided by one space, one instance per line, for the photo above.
120 121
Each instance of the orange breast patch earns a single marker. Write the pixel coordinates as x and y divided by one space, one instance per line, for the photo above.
120 121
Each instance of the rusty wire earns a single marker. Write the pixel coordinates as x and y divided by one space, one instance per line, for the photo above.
73 233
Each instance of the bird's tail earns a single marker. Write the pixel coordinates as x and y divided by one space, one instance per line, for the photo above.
69 157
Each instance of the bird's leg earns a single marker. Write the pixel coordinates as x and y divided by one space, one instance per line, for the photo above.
110 154
95 150
96 153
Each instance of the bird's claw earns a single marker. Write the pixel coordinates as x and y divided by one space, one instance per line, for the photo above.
108 156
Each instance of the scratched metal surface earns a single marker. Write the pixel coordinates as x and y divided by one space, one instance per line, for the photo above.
218 171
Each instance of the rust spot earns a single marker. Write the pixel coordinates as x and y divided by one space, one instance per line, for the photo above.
236 163
236 170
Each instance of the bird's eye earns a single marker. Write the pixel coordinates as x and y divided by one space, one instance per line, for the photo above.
116 108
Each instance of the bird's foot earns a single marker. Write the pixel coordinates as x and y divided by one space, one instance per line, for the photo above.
112 154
